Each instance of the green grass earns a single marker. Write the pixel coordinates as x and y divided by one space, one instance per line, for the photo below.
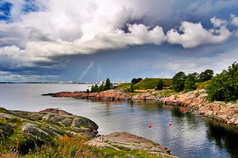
167 93
151 83
74 146
202 85
111 153
124 86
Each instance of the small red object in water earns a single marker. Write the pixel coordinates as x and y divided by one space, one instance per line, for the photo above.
170 123
149 125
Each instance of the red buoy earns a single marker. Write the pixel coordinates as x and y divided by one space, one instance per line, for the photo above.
170 123
149 125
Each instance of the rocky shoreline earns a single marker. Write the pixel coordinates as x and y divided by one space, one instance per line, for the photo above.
110 95
33 129
196 100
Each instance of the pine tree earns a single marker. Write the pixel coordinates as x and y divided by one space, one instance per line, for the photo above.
108 84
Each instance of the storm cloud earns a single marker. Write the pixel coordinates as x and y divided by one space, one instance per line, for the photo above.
39 31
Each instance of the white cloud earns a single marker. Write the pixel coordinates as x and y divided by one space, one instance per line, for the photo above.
194 34
217 63
74 27
2 13
84 27
27 78
4 72
218 22
189 66
234 20
37 50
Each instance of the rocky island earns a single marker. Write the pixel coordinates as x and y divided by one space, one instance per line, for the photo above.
54 132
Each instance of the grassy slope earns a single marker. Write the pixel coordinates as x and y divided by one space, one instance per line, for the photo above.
202 85
151 83
124 86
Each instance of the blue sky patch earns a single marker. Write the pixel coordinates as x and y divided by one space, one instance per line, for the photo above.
5 9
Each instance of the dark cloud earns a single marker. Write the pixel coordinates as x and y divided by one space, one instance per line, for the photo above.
63 37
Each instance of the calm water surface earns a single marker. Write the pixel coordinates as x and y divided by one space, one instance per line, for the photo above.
189 135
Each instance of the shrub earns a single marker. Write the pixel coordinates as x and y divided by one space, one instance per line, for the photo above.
224 86
160 85
136 80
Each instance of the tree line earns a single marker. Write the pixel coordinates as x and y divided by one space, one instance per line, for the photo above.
182 82
102 87
222 87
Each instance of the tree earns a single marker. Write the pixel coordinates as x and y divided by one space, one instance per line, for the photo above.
101 88
136 80
206 75
224 86
178 81
160 84
108 84
92 88
195 75
96 88
189 83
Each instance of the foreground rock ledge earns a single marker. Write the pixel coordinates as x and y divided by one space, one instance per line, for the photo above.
119 139
37 128
47 124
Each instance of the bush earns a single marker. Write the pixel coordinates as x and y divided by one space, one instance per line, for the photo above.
224 86
136 80
131 89
160 85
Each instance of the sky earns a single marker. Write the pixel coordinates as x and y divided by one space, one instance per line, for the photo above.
91 40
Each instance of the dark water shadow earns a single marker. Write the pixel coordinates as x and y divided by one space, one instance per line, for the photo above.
224 136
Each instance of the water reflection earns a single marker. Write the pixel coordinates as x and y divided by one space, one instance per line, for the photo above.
106 102
177 112
224 136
